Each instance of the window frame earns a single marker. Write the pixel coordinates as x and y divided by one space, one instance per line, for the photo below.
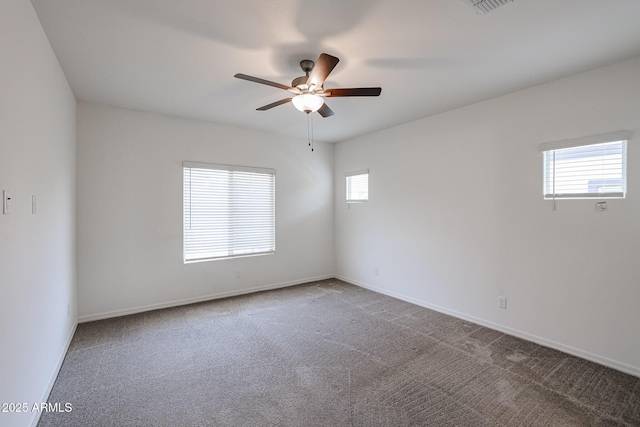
234 206
549 163
348 177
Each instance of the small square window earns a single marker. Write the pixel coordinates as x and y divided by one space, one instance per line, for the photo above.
358 187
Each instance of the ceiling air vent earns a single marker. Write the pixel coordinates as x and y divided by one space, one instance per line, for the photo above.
485 6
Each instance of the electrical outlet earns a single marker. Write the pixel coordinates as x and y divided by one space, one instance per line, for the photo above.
376 272
237 274
34 205
502 302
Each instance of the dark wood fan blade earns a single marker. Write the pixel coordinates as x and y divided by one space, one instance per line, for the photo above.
325 64
325 111
266 82
274 104
359 91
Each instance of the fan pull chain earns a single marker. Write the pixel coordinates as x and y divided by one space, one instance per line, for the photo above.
310 130
311 121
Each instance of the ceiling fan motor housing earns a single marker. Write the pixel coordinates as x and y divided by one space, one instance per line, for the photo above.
301 82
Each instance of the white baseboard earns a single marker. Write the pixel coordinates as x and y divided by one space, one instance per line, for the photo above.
605 361
209 297
54 375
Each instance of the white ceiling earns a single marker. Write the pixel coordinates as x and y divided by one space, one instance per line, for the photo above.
429 56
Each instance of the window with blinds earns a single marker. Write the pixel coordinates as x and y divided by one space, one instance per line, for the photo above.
592 167
357 186
229 211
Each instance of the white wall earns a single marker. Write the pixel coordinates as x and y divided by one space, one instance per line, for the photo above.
456 217
130 210
37 252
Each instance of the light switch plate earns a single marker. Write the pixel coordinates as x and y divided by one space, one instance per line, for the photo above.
502 302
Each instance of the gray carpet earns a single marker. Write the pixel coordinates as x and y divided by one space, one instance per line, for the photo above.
326 354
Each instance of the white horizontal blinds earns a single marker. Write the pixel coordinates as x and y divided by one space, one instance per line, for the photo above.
595 170
358 186
229 211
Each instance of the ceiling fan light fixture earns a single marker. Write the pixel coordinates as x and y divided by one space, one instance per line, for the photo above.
309 89
308 102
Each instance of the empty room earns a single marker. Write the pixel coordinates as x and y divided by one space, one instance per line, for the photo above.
337 213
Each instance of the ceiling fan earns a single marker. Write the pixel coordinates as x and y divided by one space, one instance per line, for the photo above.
309 90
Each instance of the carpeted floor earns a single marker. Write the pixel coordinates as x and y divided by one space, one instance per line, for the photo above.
326 354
